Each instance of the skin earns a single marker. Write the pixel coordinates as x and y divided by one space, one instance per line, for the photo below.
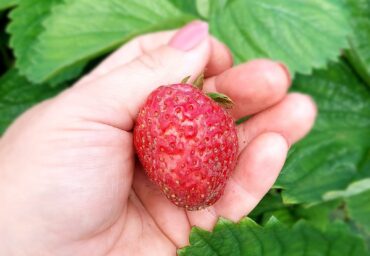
69 181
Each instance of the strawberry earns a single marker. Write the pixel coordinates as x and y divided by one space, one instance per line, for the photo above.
187 144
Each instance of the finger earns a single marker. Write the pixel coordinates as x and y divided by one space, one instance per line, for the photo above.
258 167
252 86
293 118
205 218
128 52
220 59
116 97
171 219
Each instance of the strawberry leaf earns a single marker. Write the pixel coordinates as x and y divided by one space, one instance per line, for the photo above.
5 4
24 41
356 196
71 35
353 189
17 94
359 209
188 6
30 14
203 8
302 34
331 156
199 81
359 53
248 238
194 7
319 215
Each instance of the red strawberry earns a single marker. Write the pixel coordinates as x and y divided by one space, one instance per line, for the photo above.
187 144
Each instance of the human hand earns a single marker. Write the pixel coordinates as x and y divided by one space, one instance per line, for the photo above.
69 183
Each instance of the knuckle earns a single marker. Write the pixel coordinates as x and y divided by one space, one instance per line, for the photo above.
150 62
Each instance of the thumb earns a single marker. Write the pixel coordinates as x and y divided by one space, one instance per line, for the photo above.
126 88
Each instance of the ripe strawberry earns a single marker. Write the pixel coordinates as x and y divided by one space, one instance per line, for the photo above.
187 144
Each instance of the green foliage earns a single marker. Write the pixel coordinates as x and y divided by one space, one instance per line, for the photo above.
353 189
248 238
70 34
359 54
4 4
30 14
17 95
203 8
299 33
194 7
318 215
188 6
359 209
331 156
326 179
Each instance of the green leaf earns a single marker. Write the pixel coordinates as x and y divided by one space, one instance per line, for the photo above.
330 157
248 238
357 197
68 74
5 4
272 201
17 95
203 8
319 215
188 6
353 189
198 8
302 34
26 26
359 53
285 215
23 41
77 31
359 209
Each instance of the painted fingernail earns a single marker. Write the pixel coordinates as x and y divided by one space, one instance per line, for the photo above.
189 36
287 72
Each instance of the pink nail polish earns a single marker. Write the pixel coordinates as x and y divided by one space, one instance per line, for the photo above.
189 36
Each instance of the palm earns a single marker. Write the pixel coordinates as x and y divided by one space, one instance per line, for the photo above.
138 218
98 207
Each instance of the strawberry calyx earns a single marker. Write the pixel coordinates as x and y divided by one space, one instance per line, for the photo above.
220 98
199 81
185 80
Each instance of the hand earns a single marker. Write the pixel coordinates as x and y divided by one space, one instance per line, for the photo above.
69 183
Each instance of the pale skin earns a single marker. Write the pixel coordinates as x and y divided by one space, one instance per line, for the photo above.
69 180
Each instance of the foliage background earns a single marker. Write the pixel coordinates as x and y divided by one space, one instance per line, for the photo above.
320 204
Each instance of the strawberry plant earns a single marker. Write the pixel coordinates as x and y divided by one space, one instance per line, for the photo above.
320 203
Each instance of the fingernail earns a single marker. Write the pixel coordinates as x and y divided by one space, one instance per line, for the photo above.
286 71
189 36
